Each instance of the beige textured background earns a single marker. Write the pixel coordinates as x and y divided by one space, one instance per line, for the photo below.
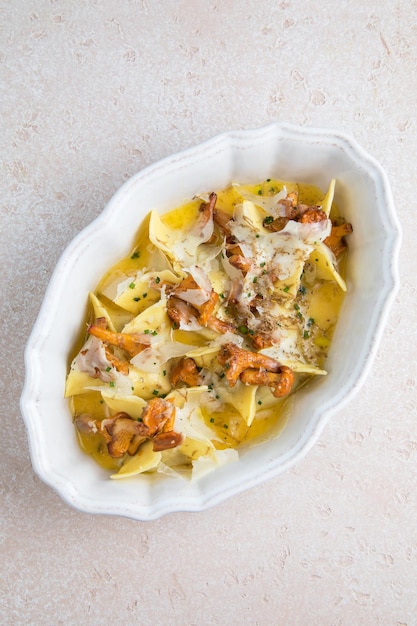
91 92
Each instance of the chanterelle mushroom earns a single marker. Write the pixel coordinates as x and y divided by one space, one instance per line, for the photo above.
185 371
121 429
335 241
281 382
123 434
132 343
236 360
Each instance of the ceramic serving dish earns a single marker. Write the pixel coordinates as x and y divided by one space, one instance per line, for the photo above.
277 151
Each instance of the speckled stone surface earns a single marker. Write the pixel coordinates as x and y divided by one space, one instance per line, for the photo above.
91 92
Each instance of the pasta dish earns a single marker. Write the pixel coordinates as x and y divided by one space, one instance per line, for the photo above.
197 340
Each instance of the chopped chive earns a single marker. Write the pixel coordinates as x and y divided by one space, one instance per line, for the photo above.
286 288
136 299
212 420
262 264
225 426
155 392
146 331
157 280
108 368
243 329
259 402
135 255
259 192
154 332
306 334
268 180
164 372
255 279
112 384
144 295
132 286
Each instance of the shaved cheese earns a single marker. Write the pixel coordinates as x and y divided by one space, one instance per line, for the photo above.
180 246
231 271
201 278
196 297
92 360
283 249
269 203
188 417
151 359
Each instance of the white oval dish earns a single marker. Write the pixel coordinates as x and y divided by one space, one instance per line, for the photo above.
277 151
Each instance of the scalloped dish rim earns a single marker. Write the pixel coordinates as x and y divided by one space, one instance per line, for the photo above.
303 154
